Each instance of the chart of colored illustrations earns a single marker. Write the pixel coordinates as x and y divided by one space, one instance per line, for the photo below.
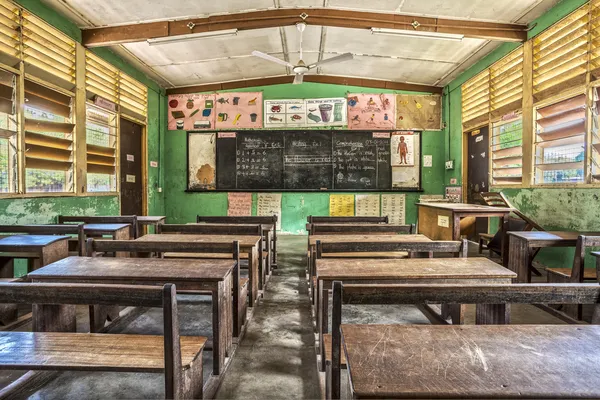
191 111
305 113
371 111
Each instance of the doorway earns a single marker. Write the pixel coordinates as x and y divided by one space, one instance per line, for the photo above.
478 167
132 177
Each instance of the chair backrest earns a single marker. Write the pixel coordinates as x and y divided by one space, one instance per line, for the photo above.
214 229
583 243
442 293
111 219
49 230
271 219
366 229
459 248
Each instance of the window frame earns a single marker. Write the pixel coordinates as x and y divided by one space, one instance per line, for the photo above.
117 175
491 184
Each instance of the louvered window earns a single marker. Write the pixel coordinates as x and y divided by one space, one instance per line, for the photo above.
10 40
595 39
48 53
506 84
560 141
101 134
101 78
507 152
595 135
560 56
48 140
476 100
133 97
8 133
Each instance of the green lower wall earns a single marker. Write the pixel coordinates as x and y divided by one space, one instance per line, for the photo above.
183 207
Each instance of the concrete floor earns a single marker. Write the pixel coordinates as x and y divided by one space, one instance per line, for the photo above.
276 358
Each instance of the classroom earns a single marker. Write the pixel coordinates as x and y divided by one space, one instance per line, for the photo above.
299 199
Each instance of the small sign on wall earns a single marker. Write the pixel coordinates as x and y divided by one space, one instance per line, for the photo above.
443 221
130 178
130 157
428 161
154 164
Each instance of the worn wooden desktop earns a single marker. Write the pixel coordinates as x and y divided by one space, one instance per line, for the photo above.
197 275
522 246
248 244
485 361
39 250
149 220
115 231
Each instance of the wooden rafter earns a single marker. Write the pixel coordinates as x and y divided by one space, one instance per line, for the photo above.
335 80
104 36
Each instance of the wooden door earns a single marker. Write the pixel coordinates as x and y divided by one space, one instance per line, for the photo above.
478 167
132 185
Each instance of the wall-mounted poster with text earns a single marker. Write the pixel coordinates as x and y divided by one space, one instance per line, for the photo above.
371 111
285 113
191 111
326 112
239 110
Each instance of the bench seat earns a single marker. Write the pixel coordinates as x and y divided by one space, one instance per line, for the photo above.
588 273
220 256
59 351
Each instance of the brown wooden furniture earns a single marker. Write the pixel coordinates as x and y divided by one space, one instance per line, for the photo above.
39 250
269 220
131 220
214 276
54 346
136 248
143 221
249 245
311 220
61 230
423 361
361 229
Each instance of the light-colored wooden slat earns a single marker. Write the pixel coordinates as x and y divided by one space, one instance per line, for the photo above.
509 152
47 126
562 142
100 150
47 141
100 160
100 169
503 162
37 163
560 166
562 118
47 153
506 171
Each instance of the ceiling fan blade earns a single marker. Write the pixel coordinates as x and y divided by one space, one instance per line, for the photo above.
298 79
271 58
340 58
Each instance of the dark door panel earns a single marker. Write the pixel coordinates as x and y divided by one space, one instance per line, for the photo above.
131 168
478 171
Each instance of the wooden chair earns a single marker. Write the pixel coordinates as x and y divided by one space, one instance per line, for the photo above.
371 229
493 307
61 230
97 248
54 345
118 219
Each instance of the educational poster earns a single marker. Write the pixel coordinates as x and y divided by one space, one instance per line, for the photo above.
239 110
371 111
269 204
419 113
341 205
404 176
191 111
367 205
239 204
393 205
403 149
202 161
285 113
326 112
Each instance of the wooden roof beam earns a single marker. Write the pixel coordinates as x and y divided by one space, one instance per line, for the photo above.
329 79
110 35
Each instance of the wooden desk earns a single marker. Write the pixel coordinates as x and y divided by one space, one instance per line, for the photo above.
206 275
487 361
522 247
149 220
248 245
115 231
39 250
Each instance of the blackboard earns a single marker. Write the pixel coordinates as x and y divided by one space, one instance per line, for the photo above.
303 160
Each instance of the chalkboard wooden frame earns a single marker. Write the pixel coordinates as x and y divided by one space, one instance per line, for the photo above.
280 190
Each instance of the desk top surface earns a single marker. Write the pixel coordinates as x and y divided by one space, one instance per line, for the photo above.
411 268
366 238
30 240
264 227
244 240
468 361
463 207
551 235
139 269
151 218
104 227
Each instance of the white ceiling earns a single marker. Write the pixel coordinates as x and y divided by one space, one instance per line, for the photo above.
214 60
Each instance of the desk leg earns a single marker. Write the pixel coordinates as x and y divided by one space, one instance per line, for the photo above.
51 253
519 258
7 267
54 318
323 318
454 311
492 314
221 321
455 227
8 312
269 254
122 234
504 241
253 275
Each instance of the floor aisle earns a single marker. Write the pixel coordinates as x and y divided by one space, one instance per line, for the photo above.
277 358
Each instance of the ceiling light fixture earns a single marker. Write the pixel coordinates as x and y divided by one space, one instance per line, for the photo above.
418 34
191 36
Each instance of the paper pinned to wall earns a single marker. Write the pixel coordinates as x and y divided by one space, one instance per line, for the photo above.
341 205
394 205
367 205
239 204
269 204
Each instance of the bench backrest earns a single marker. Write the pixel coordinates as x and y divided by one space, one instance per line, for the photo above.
312 219
247 219
528 293
214 229
458 248
49 230
370 229
111 219
583 243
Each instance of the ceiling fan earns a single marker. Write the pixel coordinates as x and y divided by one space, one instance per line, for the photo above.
301 68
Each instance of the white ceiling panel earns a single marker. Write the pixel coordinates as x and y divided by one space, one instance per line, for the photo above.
371 5
311 38
301 3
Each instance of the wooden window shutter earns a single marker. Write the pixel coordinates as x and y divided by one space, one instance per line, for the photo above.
101 78
595 39
10 37
560 56
506 84
101 141
48 53
476 100
133 97
507 152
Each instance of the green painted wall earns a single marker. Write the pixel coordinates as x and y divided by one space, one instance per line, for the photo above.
183 207
559 209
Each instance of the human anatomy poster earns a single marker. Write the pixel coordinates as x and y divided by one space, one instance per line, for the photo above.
403 149
419 112
239 110
371 111
191 111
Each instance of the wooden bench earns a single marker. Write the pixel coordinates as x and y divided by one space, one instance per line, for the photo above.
361 229
60 230
118 219
55 346
312 220
422 361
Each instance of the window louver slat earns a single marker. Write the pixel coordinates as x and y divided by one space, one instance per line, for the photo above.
507 152
133 97
102 79
506 84
10 39
476 100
